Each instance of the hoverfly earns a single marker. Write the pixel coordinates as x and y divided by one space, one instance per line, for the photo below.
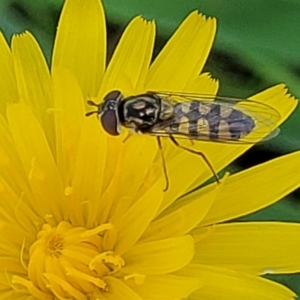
191 116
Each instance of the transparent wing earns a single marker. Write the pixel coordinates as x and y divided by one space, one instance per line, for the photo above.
219 119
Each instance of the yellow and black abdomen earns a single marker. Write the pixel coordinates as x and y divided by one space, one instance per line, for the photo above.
210 121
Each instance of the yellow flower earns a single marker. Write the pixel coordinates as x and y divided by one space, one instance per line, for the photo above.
84 216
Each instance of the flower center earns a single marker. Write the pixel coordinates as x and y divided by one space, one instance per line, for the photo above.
55 245
67 262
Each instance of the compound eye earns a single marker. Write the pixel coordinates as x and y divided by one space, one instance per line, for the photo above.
110 122
109 113
113 95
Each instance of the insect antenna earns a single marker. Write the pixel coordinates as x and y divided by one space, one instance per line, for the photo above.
92 103
91 113
198 153
164 163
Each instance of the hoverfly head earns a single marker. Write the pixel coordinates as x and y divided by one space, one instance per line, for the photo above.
108 112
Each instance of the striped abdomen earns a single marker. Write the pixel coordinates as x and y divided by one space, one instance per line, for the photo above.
212 121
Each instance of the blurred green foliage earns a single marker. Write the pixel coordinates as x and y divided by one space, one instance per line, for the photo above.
257 46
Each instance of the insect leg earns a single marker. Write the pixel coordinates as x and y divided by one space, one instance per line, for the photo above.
129 134
164 163
198 153
127 137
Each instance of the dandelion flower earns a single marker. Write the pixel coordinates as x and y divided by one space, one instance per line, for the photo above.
84 216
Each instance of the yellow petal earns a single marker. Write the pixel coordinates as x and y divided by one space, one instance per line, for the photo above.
180 219
119 290
203 85
278 98
80 44
128 67
159 257
37 160
8 289
68 114
87 179
136 218
144 151
166 287
254 189
256 247
182 170
8 86
33 80
184 56
15 209
10 264
224 284
11 168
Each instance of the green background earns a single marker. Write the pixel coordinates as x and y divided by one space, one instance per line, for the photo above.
257 46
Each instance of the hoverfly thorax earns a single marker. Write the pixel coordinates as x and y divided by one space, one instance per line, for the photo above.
144 111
